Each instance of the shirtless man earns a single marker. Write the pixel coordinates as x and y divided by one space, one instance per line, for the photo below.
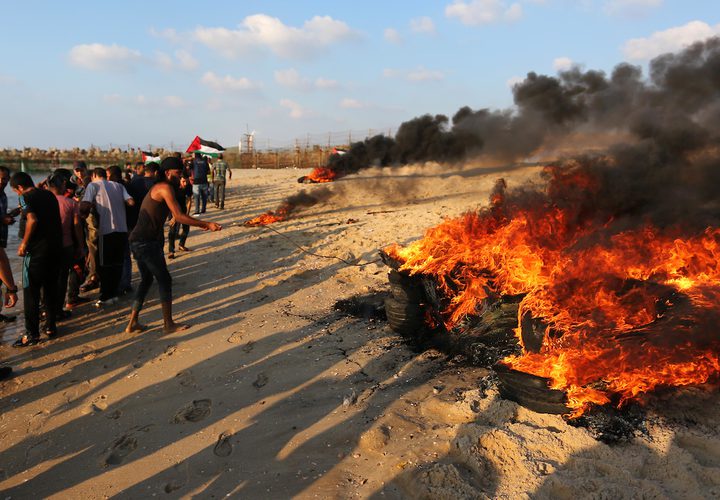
147 241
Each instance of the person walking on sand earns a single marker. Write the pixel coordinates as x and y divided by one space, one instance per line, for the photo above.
200 169
220 172
147 241
41 239
179 231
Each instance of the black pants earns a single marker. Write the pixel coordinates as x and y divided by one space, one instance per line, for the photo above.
151 264
112 254
40 280
177 231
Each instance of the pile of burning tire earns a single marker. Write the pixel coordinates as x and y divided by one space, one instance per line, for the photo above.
412 311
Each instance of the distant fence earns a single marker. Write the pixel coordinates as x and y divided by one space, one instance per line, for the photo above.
309 152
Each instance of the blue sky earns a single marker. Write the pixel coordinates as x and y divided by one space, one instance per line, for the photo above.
160 72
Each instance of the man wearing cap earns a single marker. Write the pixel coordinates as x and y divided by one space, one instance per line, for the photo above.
147 242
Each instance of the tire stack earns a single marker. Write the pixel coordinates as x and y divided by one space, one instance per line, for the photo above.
405 308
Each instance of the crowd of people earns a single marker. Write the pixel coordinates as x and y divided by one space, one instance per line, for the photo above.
78 230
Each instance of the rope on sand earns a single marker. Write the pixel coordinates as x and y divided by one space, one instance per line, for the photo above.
305 250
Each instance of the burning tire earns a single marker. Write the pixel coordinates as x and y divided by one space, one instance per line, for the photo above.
530 391
405 288
405 318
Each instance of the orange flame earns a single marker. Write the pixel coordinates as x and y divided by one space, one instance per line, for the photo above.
322 174
281 214
629 311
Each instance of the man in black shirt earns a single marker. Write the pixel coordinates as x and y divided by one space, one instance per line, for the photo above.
201 169
41 239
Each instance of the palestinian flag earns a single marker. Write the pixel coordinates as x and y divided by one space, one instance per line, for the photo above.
150 158
207 148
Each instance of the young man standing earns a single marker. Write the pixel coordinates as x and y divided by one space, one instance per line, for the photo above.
147 241
109 199
201 170
220 171
41 239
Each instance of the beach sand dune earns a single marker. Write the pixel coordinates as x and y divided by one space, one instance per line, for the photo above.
273 394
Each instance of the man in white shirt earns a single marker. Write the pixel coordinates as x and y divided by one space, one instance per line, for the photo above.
109 199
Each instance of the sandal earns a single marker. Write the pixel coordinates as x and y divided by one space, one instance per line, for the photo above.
171 256
184 248
25 341
90 285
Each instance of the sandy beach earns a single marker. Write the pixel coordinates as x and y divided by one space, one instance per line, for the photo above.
273 394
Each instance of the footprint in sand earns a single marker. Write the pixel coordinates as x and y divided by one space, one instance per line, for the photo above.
260 381
235 338
178 477
193 412
223 447
169 351
186 378
120 449
37 421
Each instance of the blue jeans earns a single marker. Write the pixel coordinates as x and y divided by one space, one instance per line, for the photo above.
200 192
151 264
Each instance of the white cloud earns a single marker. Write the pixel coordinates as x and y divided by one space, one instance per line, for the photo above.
173 101
168 34
143 101
415 75
324 83
422 25
263 31
183 61
422 74
227 83
630 8
392 36
292 79
96 56
562 63
349 103
514 80
296 111
186 60
479 12
670 40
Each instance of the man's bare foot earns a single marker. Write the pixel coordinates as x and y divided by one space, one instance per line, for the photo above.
175 327
135 328
184 248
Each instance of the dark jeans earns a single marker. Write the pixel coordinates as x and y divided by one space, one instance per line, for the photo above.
219 193
112 255
126 275
200 192
177 231
40 279
151 264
